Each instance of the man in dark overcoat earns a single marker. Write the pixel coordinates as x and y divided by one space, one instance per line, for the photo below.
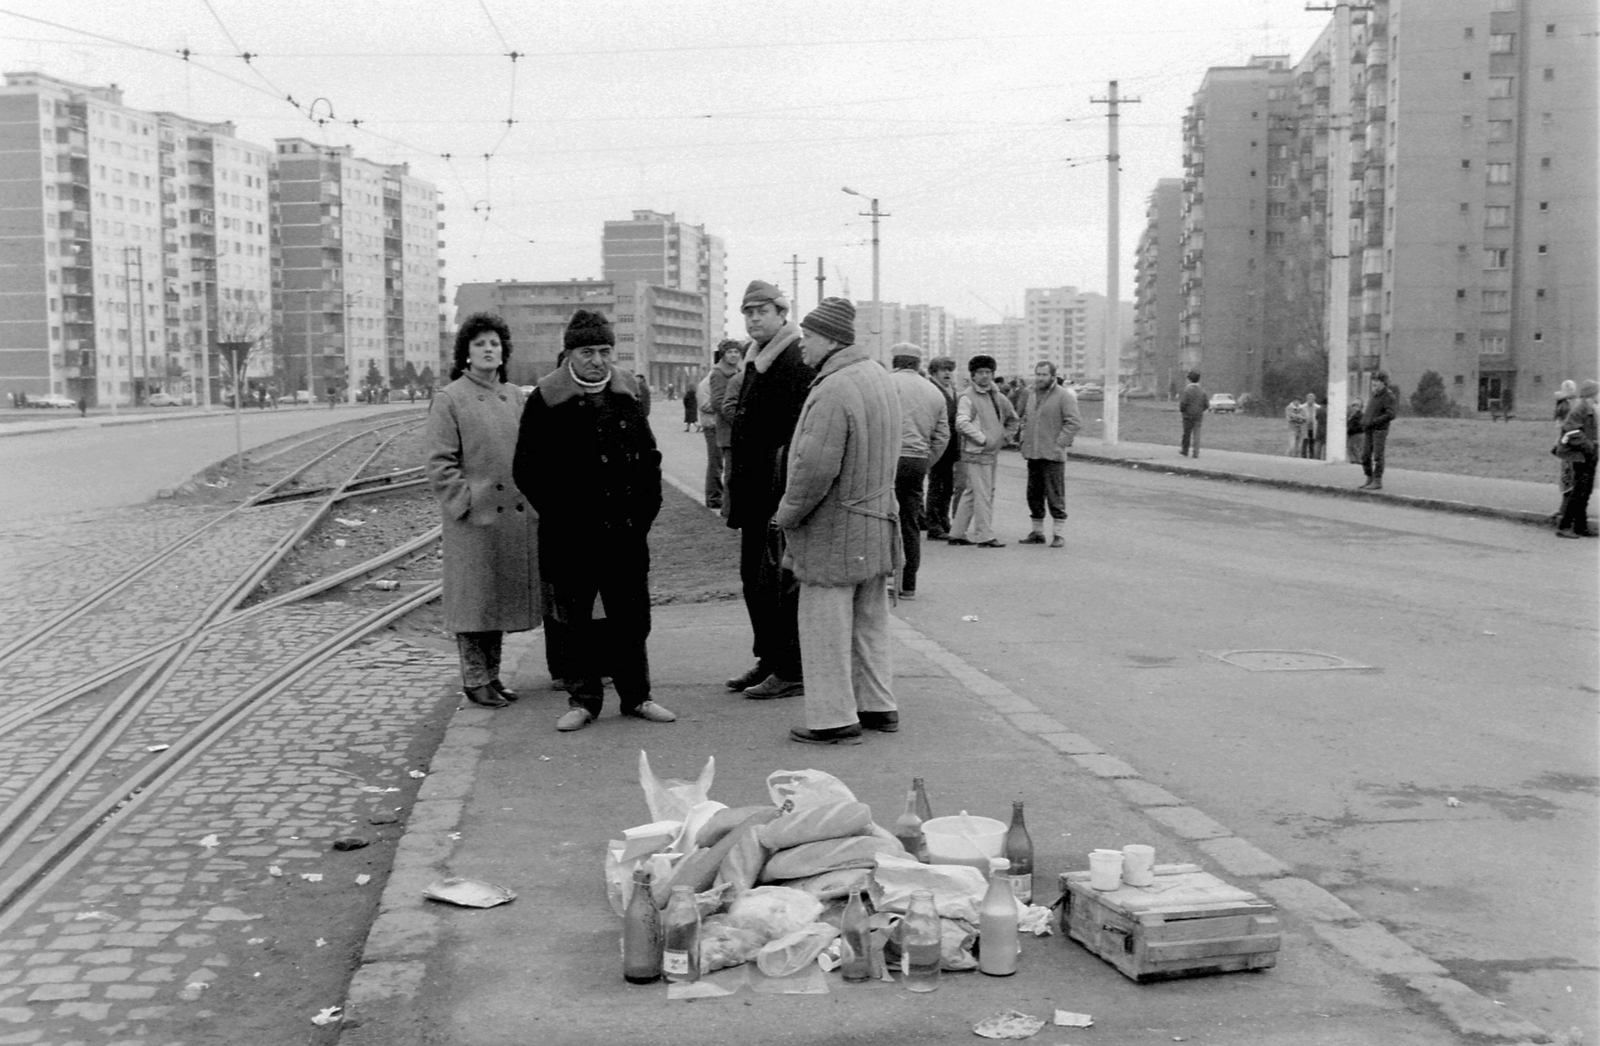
587 462
772 389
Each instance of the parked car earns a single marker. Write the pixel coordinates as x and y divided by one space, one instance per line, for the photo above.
1140 392
52 399
165 399
303 396
1223 403
1091 392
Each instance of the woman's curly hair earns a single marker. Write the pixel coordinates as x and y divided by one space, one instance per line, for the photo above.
473 326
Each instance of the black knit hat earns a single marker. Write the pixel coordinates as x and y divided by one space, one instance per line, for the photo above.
587 328
980 362
834 319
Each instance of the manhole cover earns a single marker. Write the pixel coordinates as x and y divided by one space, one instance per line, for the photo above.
1286 660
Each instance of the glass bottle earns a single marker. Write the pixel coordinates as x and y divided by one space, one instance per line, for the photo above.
855 947
680 953
1019 851
641 934
908 829
919 944
924 810
997 923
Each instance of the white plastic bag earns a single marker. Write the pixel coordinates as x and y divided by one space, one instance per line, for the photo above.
793 952
958 889
774 911
802 789
671 800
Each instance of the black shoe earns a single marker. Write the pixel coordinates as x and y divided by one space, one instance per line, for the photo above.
1034 538
485 696
503 690
776 686
883 722
1568 534
938 535
755 674
958 541
837 735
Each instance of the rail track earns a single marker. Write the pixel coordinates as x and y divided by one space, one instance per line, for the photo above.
104 737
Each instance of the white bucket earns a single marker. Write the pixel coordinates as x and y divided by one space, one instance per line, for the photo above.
964 839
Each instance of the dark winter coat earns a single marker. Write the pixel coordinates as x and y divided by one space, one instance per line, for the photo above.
1194 402
952 450
1380 410
491 574
768 407
589 465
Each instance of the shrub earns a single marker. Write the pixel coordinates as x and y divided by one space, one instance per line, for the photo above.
1430 401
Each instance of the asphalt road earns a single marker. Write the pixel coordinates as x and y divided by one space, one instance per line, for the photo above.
1446 788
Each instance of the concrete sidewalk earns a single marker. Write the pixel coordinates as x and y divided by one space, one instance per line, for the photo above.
512 801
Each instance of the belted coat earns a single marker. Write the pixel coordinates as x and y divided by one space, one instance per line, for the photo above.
491 549
838 510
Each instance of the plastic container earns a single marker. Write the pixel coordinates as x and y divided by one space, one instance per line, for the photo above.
964 839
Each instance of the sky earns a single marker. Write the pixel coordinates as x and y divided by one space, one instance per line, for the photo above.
972 123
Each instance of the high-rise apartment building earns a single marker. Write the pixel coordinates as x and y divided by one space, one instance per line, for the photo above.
930 327
1007 342
356 270
659 250
136 241
1158 362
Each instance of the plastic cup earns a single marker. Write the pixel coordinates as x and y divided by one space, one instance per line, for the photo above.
1105 869
1138 864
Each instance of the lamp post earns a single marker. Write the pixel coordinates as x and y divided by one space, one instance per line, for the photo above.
237 352
877 300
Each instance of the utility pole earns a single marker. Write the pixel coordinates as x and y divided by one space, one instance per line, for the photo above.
144 333
877 299
822 281
207 267
1338 303
1113 349
794 280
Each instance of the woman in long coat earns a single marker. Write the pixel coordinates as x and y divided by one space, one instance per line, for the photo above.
491 572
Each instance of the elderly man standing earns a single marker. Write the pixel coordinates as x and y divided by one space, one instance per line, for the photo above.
838 513
924 434
1192 405
986 421
772 388
947 476
717 430
1050 421
588 464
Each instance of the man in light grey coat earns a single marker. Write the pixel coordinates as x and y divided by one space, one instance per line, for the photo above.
839 515
924 433
1050 421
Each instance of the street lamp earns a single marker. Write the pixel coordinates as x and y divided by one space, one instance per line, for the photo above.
877 300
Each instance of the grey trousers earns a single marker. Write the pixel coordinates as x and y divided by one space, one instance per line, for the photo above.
844 647
480 657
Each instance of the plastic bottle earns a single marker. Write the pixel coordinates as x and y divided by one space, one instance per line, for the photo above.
1019 851
908 829
997 923
919 944
680 953
855 947
641 934
924 809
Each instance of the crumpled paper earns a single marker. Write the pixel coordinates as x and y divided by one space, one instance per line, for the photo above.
1013 1024
468 893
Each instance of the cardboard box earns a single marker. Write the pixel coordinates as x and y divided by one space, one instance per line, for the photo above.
1186 924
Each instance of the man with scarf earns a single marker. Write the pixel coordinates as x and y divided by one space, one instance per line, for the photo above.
986 421
772 388
839 515
588 464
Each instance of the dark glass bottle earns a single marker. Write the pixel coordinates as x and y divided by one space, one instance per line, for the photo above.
924 810
855 950
641 934
908 829
1019 851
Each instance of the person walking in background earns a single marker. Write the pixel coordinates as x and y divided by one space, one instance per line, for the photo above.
1353 442
691 409
1578 445
1308 443
1050 421
772 390
588 463
924 434
1295 415
1564 397
491 573
1192 407
1375 419
838 515
713 389
946 473
986 421
1319 439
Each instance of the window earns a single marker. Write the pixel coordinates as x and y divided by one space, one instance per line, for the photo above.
1500 43
1467 75
1496 257
1538 335
1544 163
1461 341
1496 301
1465 208
1499 130
1500 86
1461 294
1496 217
1544 248
1549 29
1492 344
1466 165
1461 250
1539 293
1461 379
1466 34
1276 180
1549 73
1499 173
1466 120
1544 205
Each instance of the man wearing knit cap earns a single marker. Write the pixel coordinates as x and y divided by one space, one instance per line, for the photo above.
986 421
1578 445
924 433
588 464
772 384
839 516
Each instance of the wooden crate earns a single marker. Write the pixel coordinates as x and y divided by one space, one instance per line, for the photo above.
1186 924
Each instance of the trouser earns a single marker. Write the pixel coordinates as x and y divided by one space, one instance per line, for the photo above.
1297 436
976 510
941 488
770 598
1372 453
1354 446
845 644
908 477
480 657
727 469
617 644
1191 433
1574 504
713 468
1047 486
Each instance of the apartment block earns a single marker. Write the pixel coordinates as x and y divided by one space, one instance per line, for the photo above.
658 250
659 330
356 275
930 327
1007 342
1158 359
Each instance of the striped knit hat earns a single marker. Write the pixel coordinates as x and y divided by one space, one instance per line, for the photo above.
834 319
